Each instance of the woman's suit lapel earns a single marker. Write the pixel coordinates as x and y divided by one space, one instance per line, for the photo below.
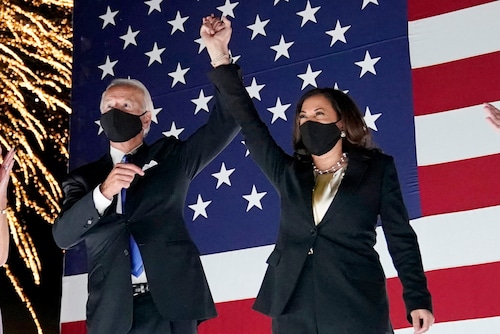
305 178
357 166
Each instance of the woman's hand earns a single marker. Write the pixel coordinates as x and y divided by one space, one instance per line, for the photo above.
493 115
216 34
422 320
6 167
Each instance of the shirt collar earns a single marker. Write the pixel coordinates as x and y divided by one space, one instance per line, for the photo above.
117 155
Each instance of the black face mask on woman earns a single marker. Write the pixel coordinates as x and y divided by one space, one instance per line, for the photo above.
120 126
319 138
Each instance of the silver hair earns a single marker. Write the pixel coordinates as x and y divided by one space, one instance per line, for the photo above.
147 103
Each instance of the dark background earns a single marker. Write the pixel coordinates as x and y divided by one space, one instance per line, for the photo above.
40 61
44 298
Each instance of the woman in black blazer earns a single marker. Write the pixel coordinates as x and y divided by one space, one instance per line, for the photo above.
324 275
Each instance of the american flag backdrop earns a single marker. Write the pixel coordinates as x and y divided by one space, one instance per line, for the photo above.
419 70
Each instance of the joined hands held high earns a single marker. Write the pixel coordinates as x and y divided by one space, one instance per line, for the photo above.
216 34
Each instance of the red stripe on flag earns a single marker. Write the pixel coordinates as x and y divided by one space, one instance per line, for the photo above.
237 317
77 327
457 294
234 317
419 9
456 84
460 185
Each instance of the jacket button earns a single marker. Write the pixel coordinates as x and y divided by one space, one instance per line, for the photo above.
89 221
314 231
125 252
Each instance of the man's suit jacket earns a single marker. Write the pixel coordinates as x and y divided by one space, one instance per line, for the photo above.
153 214
349 282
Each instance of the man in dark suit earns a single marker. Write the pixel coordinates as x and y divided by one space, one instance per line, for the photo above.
144 271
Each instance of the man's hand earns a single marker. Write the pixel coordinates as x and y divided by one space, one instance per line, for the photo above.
120 177
422 320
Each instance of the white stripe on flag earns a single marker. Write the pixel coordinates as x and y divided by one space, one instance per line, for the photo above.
452 240
238 274
455 135
456 35
74 298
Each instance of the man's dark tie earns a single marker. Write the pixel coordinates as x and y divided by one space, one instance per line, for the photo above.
135 254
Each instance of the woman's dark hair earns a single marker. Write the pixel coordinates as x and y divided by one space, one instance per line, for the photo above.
357 134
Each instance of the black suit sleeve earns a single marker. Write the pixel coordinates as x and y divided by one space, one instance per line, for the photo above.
263 149
210 139
78 214
402 243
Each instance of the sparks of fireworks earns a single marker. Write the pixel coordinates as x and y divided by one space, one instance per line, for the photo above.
35 79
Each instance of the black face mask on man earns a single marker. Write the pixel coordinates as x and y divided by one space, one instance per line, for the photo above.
120 126
319 138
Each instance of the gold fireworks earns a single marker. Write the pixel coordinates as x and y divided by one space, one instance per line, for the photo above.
35 80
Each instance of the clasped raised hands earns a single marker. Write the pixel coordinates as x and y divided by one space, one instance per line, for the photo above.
216 34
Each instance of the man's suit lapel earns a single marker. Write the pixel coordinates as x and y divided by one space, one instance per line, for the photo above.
106 165
140 157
